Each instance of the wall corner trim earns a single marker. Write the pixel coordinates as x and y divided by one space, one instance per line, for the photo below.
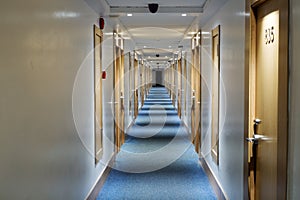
214 182
92 195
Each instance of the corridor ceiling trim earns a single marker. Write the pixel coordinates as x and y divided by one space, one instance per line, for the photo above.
156 33
162 9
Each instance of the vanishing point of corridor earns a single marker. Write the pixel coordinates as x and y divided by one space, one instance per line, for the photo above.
142 99
157 161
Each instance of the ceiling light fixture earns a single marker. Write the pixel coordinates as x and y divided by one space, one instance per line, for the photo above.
129 14
183 14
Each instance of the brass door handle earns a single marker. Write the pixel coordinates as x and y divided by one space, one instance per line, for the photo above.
122 102
256 138
193 102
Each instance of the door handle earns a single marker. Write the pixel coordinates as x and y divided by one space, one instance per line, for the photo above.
193 102
113 102
122 102
256 138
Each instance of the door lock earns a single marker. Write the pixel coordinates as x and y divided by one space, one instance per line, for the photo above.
255 125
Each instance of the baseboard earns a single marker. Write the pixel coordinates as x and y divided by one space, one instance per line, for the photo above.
215 184
96 189
101 180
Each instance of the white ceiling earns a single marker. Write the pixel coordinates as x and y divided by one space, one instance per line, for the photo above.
159 33
192 3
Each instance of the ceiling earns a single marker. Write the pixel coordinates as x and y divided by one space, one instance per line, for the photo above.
189 3
161 33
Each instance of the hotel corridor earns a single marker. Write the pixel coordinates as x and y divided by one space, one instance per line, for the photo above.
150 99
157 161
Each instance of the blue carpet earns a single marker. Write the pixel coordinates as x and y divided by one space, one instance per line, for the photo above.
157 161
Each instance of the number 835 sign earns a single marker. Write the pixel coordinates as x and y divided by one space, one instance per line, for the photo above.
269 35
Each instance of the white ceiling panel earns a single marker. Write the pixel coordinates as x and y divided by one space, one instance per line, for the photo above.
152 33
132 3
158 30
157 20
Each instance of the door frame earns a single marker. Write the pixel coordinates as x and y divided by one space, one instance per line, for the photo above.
98 97
283 80
117 77
215 130
136 75
179 85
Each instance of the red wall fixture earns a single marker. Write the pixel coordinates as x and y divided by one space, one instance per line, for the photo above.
103 74
101 23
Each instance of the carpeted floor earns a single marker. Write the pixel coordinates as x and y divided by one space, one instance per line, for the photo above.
157 160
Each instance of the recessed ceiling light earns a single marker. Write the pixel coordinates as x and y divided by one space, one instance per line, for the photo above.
145 46
183 14
129 14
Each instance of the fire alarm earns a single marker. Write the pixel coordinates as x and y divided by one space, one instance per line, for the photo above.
101 23
103 74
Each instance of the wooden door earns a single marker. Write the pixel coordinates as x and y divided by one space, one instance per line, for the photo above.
136 97
179 76
117 98
122 99
192 72
98 94
196 92
131 86
266 105
197 86
268 109
185 84
215 94
142 83
173 82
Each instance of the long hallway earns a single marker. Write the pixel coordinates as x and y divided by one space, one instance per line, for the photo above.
164 99
157 161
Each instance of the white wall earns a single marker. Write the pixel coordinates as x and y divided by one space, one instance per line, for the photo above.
159 77
294 137
229 172
153 77
43 154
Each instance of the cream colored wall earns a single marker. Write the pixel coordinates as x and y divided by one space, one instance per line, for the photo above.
294 137
44 153
229 172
